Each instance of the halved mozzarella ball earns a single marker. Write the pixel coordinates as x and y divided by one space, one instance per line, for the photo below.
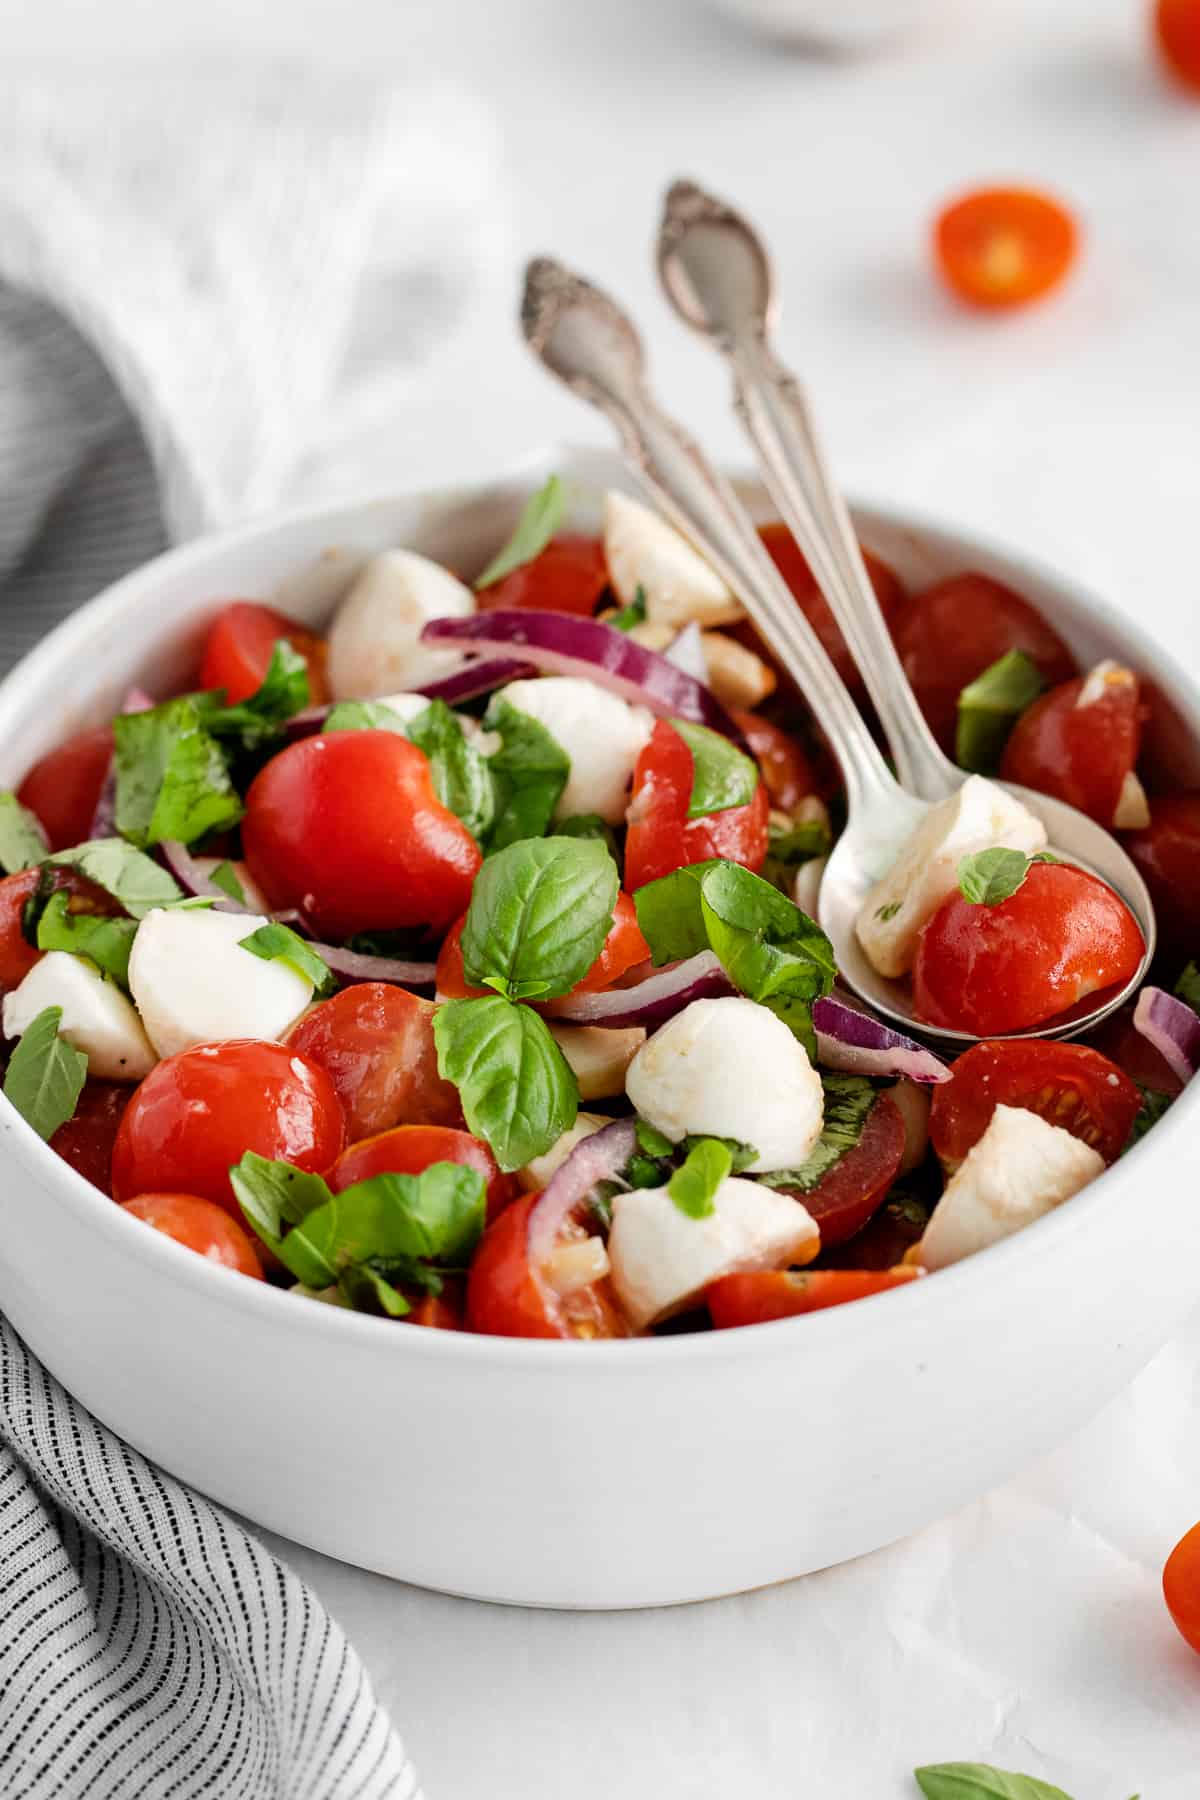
601 733
980 816
194 984
598 1058
252 894
537 1173
1021 1168
375 642
662 1259
96 1016
643 551
729 1068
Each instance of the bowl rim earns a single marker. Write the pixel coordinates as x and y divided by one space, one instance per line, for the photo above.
94 1210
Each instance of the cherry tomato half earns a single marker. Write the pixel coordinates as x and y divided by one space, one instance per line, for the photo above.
408 1149
1167 852
570 575
1066 1084
857 1184
86 1140
1181 1587
622 950
1080 754
237 651
375 1043
769 1294
662 838
1177 30
782 762
199 1225
790 560
347 826
62 789
505 1297
196 1113
1004 246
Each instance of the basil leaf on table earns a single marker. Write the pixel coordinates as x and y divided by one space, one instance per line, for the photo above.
693 1186
279 943
539 914
979 1781
529 772
771 951
518 1092
106 942
668 912
363 715
722 775
284 691
225 877
462 779
45 1074
990 706
172 778
22 841
993 876
133 879
540 518
848 1102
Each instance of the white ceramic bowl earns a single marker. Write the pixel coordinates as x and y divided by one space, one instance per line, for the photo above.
592 1475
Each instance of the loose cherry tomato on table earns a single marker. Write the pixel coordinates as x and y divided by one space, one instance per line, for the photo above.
507 1297
990 970
662 838
790 560
195 1114
1177 29
622 950
408 1149
200 1225
1167 852
375 1044
858 1183
1083 754
1181 1587
760 1298
86 1140
347 825
63 788
1003 247
570 575
237 651
1068 1085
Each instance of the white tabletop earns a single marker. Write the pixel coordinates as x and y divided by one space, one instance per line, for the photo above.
1027 1630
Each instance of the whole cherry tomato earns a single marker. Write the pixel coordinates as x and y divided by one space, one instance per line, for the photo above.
1084 755
347 826
86 1140
952 632
1181 1587
1004 246
408 1149
237 651
790 560
63 788
622 950
195 1114
990 970
1177 29
782 762
570 575
375 1043
1068 1085
662 838
506 1297
858 1183
199 1225
1167 851
769 1294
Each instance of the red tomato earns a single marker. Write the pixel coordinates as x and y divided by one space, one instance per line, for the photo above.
782 762
17 954
990 970
570 575
1065 1084
64 787
952 632
506 1297
348 827
196 1113
199 1225
1181 1587
408 1149
1004 246
237 651
883 1242
86 1140
789 559
858 1183
770 1294
1177 30
622 950
375 1043
1167 852
441 1311
662 838
1080 754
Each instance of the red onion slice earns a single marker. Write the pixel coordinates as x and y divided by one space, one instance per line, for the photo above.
594 1159
196 884
475 678
860 1045
1172 1027
353 965
653 1001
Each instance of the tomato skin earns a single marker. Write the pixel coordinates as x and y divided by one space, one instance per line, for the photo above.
1167 853
622 950
770 1294
1181 1587
505 1298
792 564
570 575
347 826
883 1242
237 651
17 954
1120 1040
86 1140
1080 754
63 788
200 1225
991 970
662 838
857 1185
408 1149
782 762
1177 32
197 1112
375 1044
1066 1084
1002 247
438 1312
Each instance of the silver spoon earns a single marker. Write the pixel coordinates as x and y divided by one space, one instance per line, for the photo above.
584 339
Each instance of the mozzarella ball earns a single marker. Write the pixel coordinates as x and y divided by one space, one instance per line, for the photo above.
375 641
602 734
194 984
536 1174
96 1016
643 551
730 1068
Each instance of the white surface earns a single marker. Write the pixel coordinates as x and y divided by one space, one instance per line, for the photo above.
1029 1628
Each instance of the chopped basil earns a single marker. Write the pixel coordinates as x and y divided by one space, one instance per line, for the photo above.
254 721
770 950
651 1163
22 841
540 518
668 911
273 1195
225 877
45 1074
591 825
363 715
722 775
133 879
979 1781
740 1155
366 1290
529 770
518 1092
693 1187
990 706
1187 988
279 943
106 942
651 1140
539 914
1154 1105
172 778
633 614
992 876
462 779
889 911
848 1101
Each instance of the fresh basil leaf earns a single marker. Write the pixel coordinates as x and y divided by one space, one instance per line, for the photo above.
668 912
651 1164
529 770
722 775
791 845
771 951
278 943
539 914
1187 988
224 876
134 880
1154 1105
462 779
693 1186
254 721
992 876
437 1214
591 825
990 706
540 518
740 1155
366 1290
106 942
22 841
848 1102
631 615
45 1074
273 1195
172 778
889 911
978 1781
363 715
651 1140
517 1090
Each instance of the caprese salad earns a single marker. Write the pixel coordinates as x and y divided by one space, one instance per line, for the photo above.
460 965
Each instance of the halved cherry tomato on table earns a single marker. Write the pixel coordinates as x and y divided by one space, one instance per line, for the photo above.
196 1113
86 1140
237 651
63 788
1181 1587
507 1298
990 970
1167 852
408 1149
347 825
662 838
1002 247
375 1043
1177 29
783 762
570 575
790 560
769 1294
622 950
952 632
1085 754
1068 1085
200 1225
858 1183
